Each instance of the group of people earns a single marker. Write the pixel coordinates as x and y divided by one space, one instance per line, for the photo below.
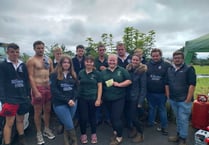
80 87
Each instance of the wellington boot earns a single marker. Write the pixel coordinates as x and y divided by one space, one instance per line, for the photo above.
66 140
73 137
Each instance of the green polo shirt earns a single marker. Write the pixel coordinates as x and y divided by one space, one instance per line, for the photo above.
118 75
88 84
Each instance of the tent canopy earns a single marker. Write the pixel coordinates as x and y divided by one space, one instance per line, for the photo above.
200 44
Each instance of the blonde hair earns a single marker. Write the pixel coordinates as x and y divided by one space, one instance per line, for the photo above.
57 49
138 50
59 69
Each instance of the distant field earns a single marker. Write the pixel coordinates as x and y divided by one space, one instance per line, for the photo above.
201 69
202 86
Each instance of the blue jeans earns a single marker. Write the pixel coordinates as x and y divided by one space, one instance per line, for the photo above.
157 101
65 113
182 112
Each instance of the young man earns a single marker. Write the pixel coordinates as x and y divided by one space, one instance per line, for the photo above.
78 60
78 64
123 57
14 93
101 61
181 81
156 75
101 64
39 69
57 52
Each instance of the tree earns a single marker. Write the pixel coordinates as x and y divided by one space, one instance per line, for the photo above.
24 57
106 39
133 39
49 50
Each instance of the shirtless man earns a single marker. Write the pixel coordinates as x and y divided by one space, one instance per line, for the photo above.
39 68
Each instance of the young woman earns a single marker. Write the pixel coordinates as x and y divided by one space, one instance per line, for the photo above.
137 93
90 92
64 91
115 81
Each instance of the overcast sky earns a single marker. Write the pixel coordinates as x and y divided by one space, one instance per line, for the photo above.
70 22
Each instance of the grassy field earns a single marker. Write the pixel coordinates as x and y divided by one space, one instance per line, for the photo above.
202 86
201 69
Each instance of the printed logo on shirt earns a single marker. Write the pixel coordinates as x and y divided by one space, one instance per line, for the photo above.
160 67
155 77
17 83
92 77
66 87
119 73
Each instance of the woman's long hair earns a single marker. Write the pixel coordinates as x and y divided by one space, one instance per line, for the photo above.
59 69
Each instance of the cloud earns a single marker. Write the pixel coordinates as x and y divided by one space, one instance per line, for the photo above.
70 22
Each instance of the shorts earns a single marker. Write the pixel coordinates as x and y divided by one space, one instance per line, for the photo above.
13 109
45 93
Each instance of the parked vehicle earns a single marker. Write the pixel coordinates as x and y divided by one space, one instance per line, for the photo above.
2 51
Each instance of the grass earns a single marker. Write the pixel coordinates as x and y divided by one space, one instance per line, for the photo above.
202 86
201 69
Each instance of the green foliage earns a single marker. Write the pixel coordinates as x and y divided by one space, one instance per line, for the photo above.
49 50
91 51
133 39
24 57
106 39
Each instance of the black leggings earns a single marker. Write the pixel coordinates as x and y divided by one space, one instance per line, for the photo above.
87 113
115 108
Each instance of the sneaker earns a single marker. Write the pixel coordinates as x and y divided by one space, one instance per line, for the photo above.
48 133
40 139
159 129
94 138
84 139
162 130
